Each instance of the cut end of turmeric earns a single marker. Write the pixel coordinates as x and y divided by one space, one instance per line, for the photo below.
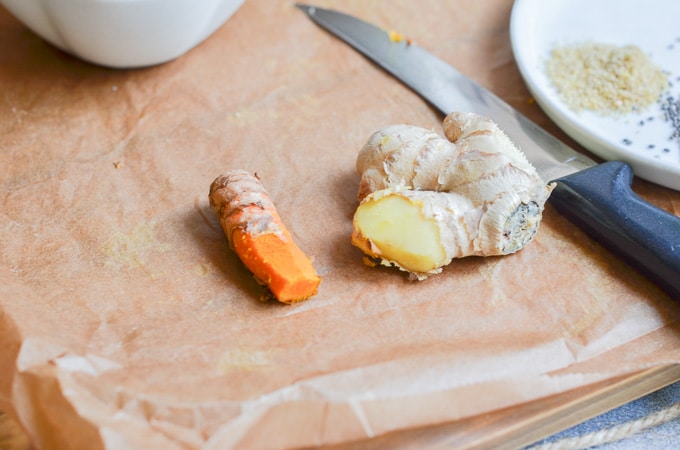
279 264
258 236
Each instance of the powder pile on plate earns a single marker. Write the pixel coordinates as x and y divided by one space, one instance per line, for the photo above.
604 78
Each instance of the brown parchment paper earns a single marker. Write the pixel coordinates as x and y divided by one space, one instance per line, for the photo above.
126 322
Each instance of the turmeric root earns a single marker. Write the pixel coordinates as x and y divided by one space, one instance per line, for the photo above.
426 199
257 234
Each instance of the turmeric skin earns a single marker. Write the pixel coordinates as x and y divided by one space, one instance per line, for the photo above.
257 234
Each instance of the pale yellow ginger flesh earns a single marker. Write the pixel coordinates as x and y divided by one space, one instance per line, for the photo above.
401 232
426 199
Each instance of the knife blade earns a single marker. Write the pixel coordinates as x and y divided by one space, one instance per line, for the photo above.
596 197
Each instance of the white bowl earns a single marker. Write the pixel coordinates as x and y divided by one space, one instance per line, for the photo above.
123 33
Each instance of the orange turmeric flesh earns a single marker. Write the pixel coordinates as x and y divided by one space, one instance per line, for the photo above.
258 236
282 267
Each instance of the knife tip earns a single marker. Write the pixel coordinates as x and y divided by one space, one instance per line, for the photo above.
309 9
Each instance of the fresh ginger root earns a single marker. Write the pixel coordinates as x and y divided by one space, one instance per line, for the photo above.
257 234
426 199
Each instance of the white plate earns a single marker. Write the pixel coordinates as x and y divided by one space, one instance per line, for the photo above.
641 139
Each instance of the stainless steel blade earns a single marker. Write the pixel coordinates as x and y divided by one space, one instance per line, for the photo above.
449 90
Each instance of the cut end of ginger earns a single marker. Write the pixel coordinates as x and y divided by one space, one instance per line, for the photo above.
394 229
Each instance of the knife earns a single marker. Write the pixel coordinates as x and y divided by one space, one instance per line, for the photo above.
596 197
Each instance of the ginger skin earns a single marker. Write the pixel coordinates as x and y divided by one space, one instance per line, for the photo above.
471 193
257 234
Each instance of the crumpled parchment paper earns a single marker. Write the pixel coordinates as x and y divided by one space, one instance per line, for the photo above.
126 322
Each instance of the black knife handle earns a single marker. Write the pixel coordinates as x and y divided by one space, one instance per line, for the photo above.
601 202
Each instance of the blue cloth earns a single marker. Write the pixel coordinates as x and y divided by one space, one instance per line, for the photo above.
665 436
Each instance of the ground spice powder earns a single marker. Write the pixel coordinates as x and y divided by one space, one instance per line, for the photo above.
607 79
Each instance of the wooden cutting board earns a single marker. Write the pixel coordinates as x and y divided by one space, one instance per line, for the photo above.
114 253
